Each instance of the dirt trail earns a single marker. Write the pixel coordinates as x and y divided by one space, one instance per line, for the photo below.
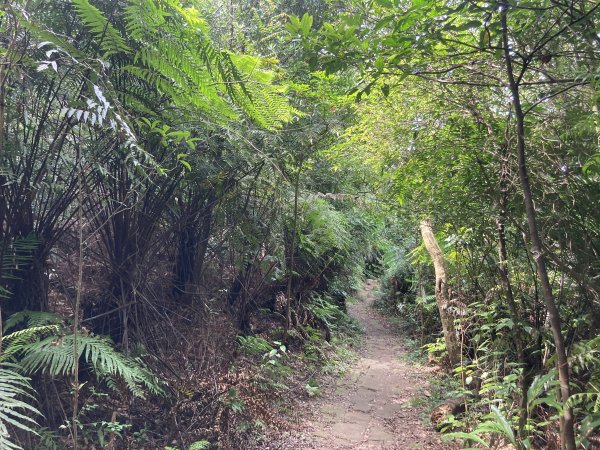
371 407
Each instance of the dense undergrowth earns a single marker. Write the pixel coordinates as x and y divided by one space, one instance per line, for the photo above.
477 401
175 250
181 386
190 192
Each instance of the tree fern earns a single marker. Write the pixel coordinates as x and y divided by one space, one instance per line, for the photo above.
177 59
168 47
255 91
177 56
97 105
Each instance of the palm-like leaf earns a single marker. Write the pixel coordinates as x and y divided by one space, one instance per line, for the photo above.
54 355
15 410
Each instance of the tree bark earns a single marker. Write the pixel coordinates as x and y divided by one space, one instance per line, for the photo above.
290 267
442 291
566 424
205 233
193 246
504 273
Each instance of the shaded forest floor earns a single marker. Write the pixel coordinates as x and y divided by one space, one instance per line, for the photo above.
377 403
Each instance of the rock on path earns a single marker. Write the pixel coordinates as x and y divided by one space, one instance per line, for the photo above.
371 406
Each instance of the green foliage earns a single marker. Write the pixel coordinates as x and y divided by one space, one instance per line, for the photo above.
324 232
191 128
300 26
254 345
47 439
493 423
15 343
179 58
272 369
16 396
199 445
103 431
233 401
541 392
43 347
54 356
585 361
312 389
105 34
16 253
31 319
437 348
323 307
16 393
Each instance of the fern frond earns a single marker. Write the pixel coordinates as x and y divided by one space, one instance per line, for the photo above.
109 38
14 343
182 62
54 355
31 319
252 89
144 17
585 398
18 253
15 390
585 356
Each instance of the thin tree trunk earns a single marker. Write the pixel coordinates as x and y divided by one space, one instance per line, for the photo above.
422 295
516 317
510 298
288 304
76 319
567 427
5 66
442 292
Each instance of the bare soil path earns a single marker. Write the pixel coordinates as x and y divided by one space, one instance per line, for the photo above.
371 408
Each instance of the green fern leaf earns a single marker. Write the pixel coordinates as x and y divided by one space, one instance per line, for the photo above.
54 355
110 40
31 319
15 390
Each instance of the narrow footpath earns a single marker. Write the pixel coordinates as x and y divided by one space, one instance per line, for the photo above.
371 407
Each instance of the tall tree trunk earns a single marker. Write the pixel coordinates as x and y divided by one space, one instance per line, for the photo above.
567 427
290 264
510 298
442 292
516 316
